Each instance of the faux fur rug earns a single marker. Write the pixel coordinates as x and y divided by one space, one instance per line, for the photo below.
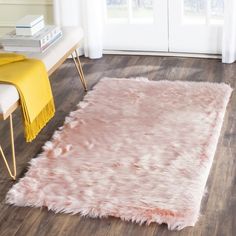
135 149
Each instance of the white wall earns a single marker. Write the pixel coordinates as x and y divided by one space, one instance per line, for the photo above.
12 10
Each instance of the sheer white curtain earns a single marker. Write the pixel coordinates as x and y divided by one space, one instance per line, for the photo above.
85 13
229 32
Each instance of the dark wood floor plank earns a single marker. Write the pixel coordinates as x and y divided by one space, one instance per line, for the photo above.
219 204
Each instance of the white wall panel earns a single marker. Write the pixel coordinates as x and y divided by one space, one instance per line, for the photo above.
12 10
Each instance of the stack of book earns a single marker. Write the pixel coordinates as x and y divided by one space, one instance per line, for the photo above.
31 35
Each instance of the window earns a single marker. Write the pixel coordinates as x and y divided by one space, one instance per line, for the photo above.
132 11
203 11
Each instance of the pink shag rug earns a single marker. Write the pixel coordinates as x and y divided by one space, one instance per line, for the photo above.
135 149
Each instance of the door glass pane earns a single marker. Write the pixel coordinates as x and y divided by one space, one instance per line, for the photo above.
195 10
217 10
142 9
117 8
203 11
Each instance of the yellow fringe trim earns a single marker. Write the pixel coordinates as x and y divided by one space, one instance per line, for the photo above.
32 129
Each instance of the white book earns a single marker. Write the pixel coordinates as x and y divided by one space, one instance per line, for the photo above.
29 21
30 30
13 48
22 49
40 39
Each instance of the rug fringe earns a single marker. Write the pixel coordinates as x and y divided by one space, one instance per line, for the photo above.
173 223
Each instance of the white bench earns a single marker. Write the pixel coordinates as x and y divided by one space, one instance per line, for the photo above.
52 58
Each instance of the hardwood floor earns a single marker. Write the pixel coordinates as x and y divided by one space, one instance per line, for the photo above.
219 204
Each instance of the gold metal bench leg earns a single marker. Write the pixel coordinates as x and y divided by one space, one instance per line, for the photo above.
80 70
13 175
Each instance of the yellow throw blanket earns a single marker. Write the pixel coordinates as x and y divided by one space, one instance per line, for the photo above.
30 78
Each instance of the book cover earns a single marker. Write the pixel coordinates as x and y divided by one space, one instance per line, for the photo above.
29 31
29 21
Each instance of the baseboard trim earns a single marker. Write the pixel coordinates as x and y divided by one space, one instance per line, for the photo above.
166 54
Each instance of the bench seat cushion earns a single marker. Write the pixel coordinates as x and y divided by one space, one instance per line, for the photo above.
71 36
8 97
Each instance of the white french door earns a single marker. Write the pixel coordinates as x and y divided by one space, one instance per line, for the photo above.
139 25
195 26
191 26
